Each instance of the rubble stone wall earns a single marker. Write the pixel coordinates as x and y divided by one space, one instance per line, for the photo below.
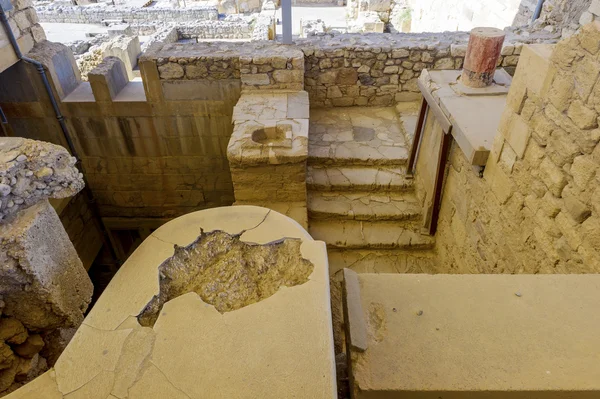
461 15
536 209
382 69
558 13
264 66
215 30
98 14
23 21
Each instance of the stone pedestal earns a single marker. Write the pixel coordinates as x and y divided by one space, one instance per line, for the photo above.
485 45
268 151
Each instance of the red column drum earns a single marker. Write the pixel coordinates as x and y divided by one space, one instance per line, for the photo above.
485 45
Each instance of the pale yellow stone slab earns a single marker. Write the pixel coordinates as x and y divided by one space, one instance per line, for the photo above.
43 386
154 385
90 352
281 341
280 347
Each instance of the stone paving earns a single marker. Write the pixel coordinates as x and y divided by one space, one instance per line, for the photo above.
348 178
354 234
363 206
359 198
357 136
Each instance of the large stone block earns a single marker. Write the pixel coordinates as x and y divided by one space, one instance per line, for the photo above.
43 284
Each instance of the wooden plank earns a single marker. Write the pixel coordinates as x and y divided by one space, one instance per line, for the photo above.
410 169
435 108
439 180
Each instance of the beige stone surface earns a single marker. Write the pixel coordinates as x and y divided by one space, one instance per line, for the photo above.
279 347
43 284
360 178
478 336
363 206
357 135
475 114
269 149
355 234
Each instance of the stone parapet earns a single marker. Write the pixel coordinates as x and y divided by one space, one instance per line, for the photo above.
381 69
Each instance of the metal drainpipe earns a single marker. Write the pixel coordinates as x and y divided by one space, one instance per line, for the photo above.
63 126
538 10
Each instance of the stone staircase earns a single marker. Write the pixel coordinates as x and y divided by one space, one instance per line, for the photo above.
359 199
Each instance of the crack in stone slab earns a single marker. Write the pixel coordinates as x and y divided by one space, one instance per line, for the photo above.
227 272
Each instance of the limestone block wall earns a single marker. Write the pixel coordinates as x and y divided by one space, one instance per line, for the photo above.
23 21
381 70
536 208
96 14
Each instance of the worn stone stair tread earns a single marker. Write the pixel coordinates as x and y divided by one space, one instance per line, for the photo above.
361 178
362 234
357 136
363 206
375 260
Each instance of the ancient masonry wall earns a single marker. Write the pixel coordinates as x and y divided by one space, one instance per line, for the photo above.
381 70
23 21
461 15
215 30
558 13
537 208
98 14
78 221
160 150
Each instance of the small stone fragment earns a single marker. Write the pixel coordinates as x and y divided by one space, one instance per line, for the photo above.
6 356
420 313
5 189
12 331
30 347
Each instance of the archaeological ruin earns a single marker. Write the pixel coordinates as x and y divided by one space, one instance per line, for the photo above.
352 199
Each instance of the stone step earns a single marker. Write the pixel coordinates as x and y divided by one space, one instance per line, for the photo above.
363 206
356 234
381 260
361 178
356 136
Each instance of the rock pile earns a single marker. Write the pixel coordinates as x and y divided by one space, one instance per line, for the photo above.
31 171
20 359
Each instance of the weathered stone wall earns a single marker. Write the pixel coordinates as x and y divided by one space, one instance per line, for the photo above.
215 30
78 220
262 66
380 70
23 21
461 15
556 13
536 208
43 285
98 14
